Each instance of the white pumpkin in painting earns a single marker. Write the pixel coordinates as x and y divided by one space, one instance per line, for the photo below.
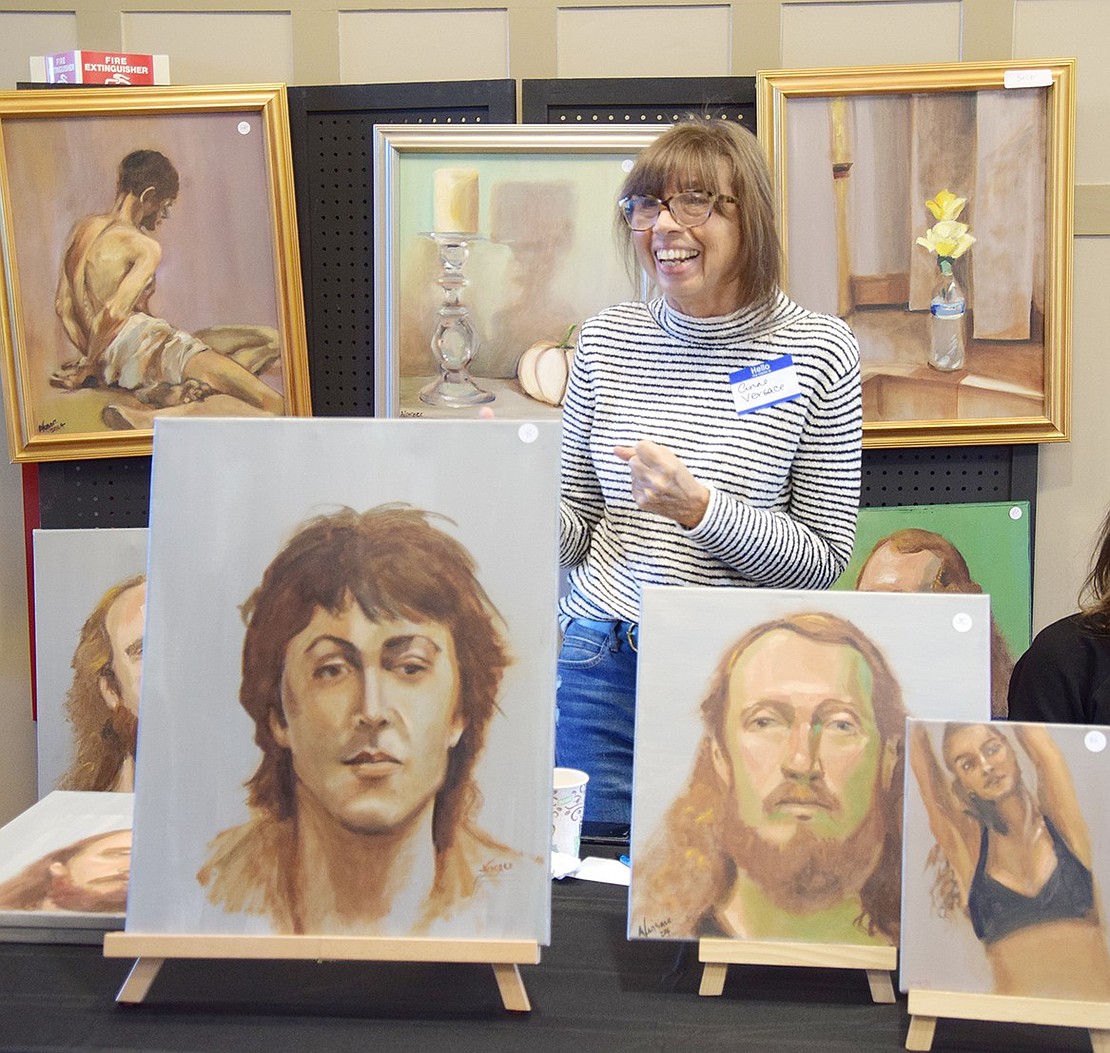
543 370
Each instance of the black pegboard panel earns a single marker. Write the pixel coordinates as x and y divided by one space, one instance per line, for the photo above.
114 492
949 475
332 136
625 101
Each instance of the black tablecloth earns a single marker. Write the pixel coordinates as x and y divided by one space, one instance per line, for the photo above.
593 990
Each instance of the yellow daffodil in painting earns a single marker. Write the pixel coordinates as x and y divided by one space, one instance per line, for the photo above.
946 205
948 239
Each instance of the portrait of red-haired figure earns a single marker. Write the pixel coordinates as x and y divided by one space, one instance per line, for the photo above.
1007 849
374 707
65 864
90 601
975 547
769 765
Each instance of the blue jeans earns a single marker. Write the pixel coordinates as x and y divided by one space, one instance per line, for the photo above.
595 706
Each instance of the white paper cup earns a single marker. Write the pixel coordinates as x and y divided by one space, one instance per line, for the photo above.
568 803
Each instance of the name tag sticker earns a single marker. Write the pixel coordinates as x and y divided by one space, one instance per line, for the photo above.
765 384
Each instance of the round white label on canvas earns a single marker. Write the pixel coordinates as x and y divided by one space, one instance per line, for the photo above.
1095 741
962 623
528 433
1015 513
244 127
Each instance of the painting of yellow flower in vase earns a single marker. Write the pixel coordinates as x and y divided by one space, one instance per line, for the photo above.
927 206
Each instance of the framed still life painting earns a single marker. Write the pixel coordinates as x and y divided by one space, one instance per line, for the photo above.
150 264
355 631
492 245
930 207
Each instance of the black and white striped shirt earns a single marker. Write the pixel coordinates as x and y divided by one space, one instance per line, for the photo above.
784 480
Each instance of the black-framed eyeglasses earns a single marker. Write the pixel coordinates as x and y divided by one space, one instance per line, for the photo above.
690 208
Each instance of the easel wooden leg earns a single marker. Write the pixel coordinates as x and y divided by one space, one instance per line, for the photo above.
138 981
713 978
1100 1041
882 990
920 1034
513 995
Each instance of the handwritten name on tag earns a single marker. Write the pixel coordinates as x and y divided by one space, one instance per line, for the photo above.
765 384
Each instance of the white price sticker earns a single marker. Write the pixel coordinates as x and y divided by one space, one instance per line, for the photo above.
1027 78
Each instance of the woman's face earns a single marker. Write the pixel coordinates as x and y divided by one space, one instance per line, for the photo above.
983 761
697 269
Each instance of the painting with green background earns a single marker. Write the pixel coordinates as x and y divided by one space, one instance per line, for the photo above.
994 539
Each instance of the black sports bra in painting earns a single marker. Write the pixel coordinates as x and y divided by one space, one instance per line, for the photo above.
998 911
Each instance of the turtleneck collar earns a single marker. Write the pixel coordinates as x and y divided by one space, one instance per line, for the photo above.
747 323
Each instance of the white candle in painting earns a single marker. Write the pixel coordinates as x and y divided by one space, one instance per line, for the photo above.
456 200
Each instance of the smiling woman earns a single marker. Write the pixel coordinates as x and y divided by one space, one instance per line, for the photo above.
681 464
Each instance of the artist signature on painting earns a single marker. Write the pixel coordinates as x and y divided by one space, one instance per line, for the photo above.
49 427
659 928
496 866
412 413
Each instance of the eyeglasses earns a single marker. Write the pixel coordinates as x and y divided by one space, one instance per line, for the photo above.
691 208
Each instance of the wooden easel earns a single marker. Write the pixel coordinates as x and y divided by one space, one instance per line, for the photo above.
926 1006
151 949
719 954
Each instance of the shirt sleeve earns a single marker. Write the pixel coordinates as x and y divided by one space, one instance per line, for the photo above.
581 502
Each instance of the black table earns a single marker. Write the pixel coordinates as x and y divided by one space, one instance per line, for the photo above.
593 990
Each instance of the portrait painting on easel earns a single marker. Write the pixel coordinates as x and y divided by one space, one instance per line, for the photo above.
1006 851
90 600
355 633
768 769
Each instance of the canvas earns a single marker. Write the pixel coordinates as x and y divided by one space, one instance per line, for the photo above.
315 630
1023 918
767 778
977 547
64 867
84 580
539 259
151 263
930 207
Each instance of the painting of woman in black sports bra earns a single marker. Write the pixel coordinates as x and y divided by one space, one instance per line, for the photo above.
1013 856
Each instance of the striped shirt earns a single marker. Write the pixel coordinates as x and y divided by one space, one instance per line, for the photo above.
784 479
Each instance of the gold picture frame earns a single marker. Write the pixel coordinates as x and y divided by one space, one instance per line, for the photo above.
226 260
856 154
542 259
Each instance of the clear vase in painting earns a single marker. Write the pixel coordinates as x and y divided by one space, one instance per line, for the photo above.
947 322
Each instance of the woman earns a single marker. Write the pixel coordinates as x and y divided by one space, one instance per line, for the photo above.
1018 862
1064 677
710 436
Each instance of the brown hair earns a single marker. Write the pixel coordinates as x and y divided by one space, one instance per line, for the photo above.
687 870
394 564
147 168
99 750
1094 594
953 575
31 887
688 155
